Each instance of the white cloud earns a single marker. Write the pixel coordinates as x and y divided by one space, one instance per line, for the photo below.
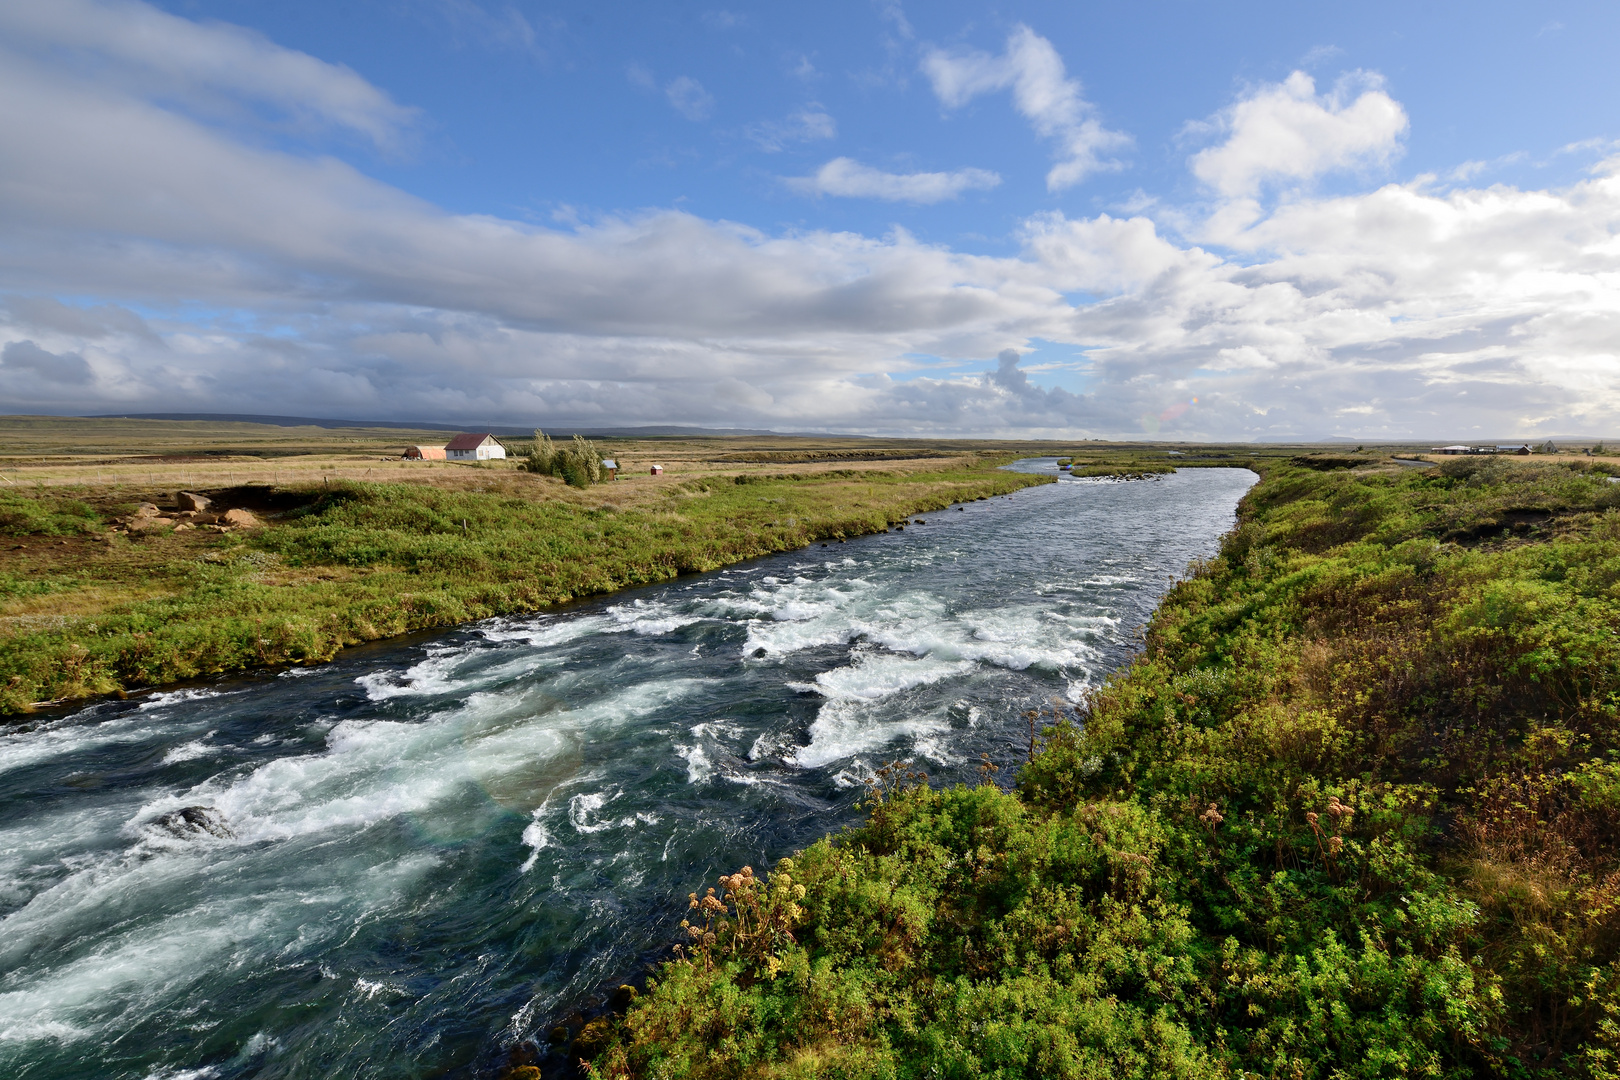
236 278
147 50
1288 132
849 178
893 13
1042 91
809 124
689 98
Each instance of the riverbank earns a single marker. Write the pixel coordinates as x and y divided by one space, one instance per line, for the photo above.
434 846
89 607
1354 811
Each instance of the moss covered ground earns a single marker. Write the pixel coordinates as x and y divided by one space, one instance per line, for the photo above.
1353 812
85 609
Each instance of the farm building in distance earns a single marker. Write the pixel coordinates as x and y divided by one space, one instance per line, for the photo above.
657 470
424 453
1498 448
610 467
481 446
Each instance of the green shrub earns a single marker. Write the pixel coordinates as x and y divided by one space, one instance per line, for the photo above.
1353 812
24 515
578 463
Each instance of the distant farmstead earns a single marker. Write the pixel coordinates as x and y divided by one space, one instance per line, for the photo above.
424 453
481 446
1495 448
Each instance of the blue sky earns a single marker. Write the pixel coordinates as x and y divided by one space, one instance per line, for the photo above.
1372 220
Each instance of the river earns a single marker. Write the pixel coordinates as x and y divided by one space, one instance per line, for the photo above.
429 848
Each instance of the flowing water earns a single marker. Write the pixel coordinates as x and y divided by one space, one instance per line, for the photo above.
410 856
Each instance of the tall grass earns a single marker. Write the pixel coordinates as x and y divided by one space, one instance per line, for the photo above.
356 562
578 463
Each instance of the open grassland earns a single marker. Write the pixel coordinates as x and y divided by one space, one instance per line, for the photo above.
1354 812
360 544
86 608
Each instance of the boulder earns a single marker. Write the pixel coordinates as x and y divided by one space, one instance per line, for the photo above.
240 519
190 821
592 1038
190 500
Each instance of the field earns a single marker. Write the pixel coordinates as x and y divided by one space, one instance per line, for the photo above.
356 544
1353 812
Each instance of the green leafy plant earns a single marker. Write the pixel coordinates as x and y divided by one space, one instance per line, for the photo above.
1354 811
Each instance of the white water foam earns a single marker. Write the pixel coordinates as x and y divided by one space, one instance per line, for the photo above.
707 736
543 631
145 963
190 751
167 699
370 771
585 813
642 617
23 749
451 671
183 1074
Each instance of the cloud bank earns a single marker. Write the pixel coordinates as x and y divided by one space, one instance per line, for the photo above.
234 276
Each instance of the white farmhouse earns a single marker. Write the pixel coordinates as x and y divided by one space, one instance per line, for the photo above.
477 447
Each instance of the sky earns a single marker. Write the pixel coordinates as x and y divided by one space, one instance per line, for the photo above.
1178 220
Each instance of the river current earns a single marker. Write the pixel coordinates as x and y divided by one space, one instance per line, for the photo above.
429 848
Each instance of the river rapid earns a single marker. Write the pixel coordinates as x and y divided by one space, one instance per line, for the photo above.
424 850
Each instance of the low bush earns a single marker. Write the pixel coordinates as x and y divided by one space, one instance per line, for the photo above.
46 515
1353 812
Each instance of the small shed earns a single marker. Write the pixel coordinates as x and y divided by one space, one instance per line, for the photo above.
610 467
658 470
480 446
424 453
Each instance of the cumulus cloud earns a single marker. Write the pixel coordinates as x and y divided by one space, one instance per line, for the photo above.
1287 132
232 277
849 178
1043 93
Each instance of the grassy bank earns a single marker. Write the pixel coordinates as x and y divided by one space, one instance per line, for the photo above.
1353 812
88 610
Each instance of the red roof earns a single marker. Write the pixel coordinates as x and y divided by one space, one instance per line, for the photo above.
468 442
